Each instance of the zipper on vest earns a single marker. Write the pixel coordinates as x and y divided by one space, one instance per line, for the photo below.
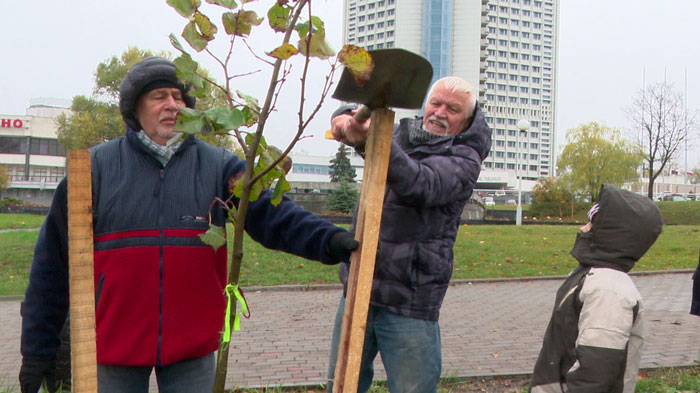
161 224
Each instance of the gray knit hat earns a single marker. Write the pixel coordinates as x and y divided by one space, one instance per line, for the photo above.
144 76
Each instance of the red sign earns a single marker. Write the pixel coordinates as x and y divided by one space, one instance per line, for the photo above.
11 123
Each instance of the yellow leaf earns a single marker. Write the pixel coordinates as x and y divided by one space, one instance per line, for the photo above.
284 52
358 61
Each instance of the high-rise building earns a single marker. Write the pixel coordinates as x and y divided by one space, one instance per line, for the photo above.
506 48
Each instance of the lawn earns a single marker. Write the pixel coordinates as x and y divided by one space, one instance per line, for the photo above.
481 251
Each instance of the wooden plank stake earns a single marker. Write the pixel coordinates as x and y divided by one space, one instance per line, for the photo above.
81 274
377 149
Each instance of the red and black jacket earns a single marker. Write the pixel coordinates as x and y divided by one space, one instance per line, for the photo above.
159 289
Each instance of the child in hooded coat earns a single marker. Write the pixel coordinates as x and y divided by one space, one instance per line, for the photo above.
593 340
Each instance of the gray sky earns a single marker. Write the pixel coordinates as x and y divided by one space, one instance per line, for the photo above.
606 50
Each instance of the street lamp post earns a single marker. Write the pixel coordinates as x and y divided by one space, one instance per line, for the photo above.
523 126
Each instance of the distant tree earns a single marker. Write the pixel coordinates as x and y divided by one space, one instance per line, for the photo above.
695 177
596 154
340 166
4 179
548 194
97 119
660 118
342 198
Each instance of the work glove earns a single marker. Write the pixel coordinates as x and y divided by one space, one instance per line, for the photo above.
340 246
34 372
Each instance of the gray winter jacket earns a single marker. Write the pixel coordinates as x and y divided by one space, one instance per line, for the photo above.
593 340
428 185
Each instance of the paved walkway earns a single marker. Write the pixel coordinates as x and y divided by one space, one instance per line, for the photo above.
488 328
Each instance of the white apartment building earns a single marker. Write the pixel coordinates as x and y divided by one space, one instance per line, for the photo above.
506 48
34 160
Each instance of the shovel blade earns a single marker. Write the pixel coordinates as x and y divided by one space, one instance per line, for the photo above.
400 79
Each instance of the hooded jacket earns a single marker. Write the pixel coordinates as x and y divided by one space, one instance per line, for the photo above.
159 288
593 340
428 184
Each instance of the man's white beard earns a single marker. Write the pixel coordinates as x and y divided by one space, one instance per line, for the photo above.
442 122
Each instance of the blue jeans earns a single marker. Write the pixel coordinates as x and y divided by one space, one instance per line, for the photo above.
410 350
191 375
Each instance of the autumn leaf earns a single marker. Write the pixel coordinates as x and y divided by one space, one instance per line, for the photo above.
193 37
358 61
284 52
230 4
317 48
184 7
241 22
206 28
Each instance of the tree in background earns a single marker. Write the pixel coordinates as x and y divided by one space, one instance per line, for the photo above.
596 154
663 125
551 198
343 198
341 168
4 179
97 119
695 177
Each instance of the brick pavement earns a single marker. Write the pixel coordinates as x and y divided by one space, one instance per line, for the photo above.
488 328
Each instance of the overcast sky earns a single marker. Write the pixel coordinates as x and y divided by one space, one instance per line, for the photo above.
607 49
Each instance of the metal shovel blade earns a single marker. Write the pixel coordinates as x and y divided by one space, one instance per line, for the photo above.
400 79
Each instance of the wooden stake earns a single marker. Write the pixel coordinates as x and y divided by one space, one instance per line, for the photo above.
377 149
81 273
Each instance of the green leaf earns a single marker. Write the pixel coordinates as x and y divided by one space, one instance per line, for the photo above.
186 71
358 61
250 138
284 52
192 36
255 191
250 101
318 48
278 17
241 22
190 121
226 119
214 237
206 28
230 4
184 7
251 117
176 43
281 187
317 27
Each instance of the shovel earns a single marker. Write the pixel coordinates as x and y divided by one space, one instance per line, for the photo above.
399 79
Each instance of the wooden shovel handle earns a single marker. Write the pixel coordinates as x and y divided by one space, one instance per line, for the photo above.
361 273
363 114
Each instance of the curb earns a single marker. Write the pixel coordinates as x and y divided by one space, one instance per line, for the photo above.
455 282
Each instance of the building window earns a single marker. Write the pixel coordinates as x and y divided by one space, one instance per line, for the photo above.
46 147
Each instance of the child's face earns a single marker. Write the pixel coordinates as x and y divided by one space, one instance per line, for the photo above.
587 228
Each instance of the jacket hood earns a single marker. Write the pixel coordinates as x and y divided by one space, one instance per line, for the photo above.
477 135
146 74
626 226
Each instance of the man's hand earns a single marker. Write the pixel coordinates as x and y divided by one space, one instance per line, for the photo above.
34 372
347 130
341 245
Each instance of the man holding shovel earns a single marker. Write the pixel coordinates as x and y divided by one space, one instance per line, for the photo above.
433 166
159 290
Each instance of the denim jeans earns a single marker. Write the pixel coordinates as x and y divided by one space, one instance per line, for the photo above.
410 351
191 375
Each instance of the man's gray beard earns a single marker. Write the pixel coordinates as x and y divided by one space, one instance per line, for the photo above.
442 123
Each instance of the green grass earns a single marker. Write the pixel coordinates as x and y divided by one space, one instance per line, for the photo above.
543 250
670 380
16 251
508 207
682 212
481 251
15 221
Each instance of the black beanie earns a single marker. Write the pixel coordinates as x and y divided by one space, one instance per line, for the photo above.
146 75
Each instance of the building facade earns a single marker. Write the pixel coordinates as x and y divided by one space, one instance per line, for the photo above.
506 48
30 153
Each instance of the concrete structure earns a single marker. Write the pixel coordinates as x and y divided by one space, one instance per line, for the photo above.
507 48
34 160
